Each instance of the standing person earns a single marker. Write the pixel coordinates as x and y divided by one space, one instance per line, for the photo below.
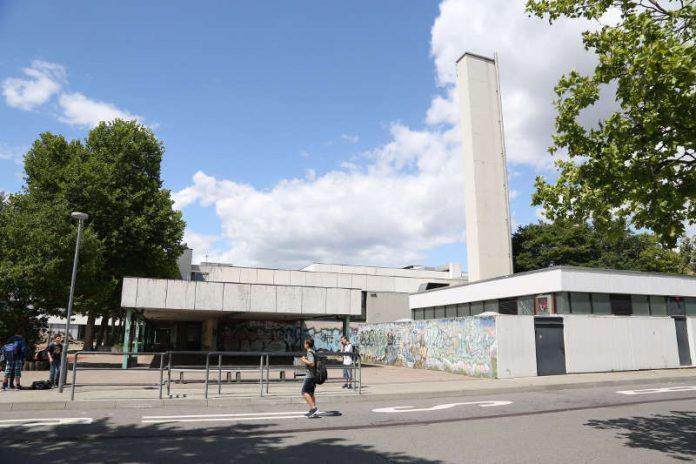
347 347
54 351
308 386
14 349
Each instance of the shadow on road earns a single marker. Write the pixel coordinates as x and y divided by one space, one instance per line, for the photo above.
673 434
102 442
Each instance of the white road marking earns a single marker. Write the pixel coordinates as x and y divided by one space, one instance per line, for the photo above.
482 404
223 417
38 422
648 391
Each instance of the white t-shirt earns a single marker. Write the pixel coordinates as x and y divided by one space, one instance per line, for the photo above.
347 360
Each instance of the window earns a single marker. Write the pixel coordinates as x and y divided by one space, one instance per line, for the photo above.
690 306
476 308
507 306
658 306
601 303
580 303
562 303
463 310
490 305
621 305
640 305
525 305
676 306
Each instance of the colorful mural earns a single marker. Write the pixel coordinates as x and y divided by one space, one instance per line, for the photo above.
287 336
463 345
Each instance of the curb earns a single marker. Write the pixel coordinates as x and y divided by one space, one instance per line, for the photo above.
350 398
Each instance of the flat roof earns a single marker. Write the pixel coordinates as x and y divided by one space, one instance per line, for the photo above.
559 279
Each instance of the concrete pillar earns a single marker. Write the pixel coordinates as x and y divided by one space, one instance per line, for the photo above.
126 337
346 326
209 335
136 338
488 234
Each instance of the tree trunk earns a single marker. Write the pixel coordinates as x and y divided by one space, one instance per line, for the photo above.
104 327
89 333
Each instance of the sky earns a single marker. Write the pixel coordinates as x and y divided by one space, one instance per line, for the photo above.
295 132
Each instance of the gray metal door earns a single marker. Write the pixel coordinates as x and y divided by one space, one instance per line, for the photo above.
682 341
550 348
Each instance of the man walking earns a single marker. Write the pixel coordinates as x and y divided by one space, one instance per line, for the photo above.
14 350
347 347
54 351
309 385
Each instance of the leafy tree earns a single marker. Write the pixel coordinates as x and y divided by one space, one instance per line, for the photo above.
538 246
639 164
114 176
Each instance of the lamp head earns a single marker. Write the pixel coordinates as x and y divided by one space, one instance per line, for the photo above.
79 216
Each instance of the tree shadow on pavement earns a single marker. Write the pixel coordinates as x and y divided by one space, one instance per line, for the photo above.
107 443
673 434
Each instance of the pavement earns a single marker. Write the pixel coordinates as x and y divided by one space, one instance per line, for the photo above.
650 421
379 383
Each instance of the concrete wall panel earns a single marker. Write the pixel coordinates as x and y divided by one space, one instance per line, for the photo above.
180 294
337 301
265 276
313 300
281 277
516 346
237 297
129 292
355 302
691 328
152 293
343 280
298 278
247 275
209 296
289 299
614 343
263 298
314 279
359 281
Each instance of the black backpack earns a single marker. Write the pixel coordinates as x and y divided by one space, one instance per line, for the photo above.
41 385
320 373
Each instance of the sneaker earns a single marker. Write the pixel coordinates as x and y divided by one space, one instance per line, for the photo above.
315 414
350 386
345 385
310 412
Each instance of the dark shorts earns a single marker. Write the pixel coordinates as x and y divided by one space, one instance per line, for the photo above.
308 386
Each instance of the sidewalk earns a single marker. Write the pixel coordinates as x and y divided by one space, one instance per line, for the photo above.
379 382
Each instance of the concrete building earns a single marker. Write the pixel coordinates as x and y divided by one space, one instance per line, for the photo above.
235 308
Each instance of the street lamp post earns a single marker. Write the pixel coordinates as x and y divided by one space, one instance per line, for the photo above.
81 217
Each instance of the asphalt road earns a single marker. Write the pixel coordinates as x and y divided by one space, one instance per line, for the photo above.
588 425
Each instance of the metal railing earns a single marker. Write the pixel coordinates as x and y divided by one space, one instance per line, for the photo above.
76 367
264 368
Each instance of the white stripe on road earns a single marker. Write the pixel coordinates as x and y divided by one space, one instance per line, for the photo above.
44 421
223 417
648 391
482 404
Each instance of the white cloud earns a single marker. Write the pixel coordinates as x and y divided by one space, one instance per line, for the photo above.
351 138
204 246
389 212
11 154
79 110
42 81
406 196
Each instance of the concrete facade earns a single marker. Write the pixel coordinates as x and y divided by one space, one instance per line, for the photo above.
488 227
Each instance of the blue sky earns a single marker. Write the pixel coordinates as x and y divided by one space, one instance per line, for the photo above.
294 131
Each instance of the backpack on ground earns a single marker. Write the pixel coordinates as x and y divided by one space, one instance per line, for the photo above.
10 351
41 385
320 373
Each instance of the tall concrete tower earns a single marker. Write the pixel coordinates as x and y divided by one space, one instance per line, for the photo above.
489 248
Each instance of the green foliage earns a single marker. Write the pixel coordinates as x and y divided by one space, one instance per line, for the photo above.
537 246
132 229
639 164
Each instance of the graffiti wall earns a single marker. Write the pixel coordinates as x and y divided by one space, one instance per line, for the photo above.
287 336
463 345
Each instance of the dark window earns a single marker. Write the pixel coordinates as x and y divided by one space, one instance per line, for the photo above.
621 305
507 306
675 306
431 285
